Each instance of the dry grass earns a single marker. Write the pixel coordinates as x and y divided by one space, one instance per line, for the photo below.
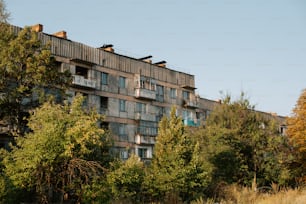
284 197
241 195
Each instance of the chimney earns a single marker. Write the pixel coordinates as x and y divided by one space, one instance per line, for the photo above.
108 48
61 34
146 59
161 63
37 28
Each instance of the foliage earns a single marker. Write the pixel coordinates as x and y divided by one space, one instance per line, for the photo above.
296 132
126 179
244 145
97 191
62 155
27 69
177 168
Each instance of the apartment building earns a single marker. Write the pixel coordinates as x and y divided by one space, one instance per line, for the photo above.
133 94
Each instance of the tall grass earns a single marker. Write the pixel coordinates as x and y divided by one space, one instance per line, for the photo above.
290 196
242 195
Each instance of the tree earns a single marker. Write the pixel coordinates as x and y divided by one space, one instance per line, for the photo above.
27 71
63 154
126 180
244 145
4 15
296 131
177 168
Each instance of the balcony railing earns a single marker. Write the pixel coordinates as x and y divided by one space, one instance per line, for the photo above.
145 94
145 116
81 81
140 139
190 103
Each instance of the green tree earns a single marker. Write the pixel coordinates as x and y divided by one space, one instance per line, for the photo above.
244 145
27 70
296 131
63 154
126 180
177 168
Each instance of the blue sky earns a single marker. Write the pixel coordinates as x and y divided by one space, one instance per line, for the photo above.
255 46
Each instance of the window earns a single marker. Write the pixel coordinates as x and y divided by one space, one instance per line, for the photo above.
142 152
122 105
186 95
122 129
147 131
103 105
159 93
140 108
172 93
85 100
104 125
123 136
198 115
123 153
81 71
142 83
147 128
104 78
187 114
122 82
160 111
103 102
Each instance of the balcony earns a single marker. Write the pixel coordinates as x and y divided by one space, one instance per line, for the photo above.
144 116
81 81
190 103
145 94
140 139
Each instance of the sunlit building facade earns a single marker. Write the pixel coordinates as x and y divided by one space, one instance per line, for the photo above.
133 94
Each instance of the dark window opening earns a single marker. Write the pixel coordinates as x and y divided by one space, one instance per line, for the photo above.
81 71
142 152
104 125
103 102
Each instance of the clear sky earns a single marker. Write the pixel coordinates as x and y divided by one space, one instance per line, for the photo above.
255 46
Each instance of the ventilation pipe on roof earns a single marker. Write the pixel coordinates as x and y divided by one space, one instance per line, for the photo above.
146 59
161 63
61 34
108 48
37 28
